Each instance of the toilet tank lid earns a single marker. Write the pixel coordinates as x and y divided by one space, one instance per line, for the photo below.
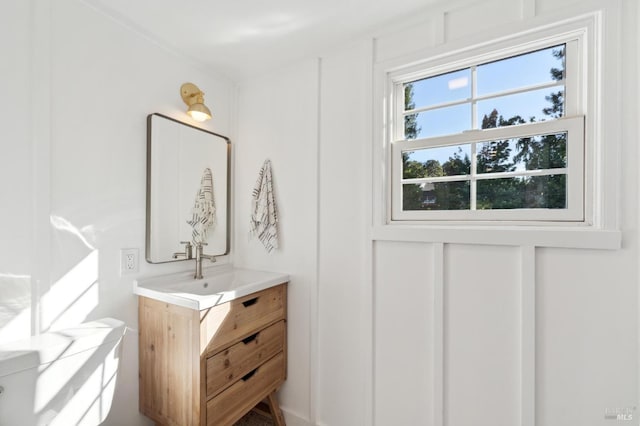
48 347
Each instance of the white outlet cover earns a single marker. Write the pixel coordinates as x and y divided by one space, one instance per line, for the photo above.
129 261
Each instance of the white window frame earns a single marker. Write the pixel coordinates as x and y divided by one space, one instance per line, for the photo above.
572 123
599 23
574 127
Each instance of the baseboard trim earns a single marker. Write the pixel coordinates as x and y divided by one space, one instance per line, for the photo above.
293 419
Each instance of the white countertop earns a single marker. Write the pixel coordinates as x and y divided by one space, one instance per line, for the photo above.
218 286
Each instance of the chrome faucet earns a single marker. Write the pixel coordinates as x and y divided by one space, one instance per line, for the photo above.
187 253
199 257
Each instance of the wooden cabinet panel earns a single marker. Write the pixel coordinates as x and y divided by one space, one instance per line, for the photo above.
168 348
152 360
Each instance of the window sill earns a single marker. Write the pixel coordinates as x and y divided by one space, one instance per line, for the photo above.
583 237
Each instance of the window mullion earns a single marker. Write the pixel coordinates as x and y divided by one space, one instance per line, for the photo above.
474 97
573 104
398 127
474 125
473 184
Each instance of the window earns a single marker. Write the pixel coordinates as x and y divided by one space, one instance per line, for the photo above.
492 137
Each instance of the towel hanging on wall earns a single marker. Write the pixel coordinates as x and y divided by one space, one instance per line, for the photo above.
264 215
203 214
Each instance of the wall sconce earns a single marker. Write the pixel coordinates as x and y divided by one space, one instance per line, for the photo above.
194 98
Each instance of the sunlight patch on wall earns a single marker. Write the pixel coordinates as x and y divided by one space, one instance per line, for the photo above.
92 376
62 224
73 296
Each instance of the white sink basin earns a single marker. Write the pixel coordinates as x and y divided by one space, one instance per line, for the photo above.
219 286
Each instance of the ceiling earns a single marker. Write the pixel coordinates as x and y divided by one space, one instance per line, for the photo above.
241 38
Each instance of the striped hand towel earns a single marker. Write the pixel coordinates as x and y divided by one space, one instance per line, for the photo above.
203 214
264 215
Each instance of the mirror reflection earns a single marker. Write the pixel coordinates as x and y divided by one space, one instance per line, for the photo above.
187 190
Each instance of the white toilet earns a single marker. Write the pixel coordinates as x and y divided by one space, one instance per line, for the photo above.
61 378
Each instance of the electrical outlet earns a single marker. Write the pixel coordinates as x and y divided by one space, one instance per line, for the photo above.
128 261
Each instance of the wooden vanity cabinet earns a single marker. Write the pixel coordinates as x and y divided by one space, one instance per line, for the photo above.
211 367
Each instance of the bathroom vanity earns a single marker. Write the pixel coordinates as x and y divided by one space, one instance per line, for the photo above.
211 349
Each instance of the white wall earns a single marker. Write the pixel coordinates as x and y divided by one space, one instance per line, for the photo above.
278 120
409 333
15 170
343 373
78 166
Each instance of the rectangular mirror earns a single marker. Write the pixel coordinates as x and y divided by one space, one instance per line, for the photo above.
181 161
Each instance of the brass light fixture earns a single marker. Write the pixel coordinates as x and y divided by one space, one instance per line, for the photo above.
194 98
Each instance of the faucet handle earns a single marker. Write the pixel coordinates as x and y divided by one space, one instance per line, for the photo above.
188 250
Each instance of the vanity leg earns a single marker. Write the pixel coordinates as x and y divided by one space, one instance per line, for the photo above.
274 407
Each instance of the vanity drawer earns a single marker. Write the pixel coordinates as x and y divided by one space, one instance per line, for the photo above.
232 363
231 404
230 322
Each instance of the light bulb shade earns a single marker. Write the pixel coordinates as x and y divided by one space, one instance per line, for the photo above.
199 112
194 98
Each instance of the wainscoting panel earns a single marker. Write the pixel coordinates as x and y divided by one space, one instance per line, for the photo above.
454 334
482 335
403 323
586 342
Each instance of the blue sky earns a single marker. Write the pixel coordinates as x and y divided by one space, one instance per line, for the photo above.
520 71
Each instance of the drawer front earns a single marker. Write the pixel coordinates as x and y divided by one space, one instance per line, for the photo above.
230 405
230 322
231 364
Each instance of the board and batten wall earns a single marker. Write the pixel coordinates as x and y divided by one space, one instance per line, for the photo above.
515 334
277 121
434 333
